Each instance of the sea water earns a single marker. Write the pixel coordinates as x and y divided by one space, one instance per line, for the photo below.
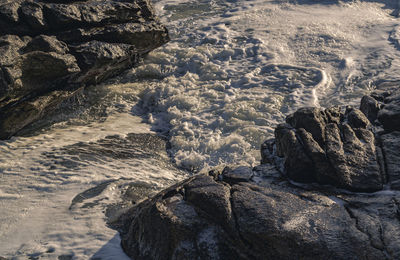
232 71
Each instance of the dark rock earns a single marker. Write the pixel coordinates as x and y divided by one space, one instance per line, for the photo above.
353 158
259 214
238 174
15 117
391 151
251 221
370 107
267 151
211 197
334 114
323 170
48 46
356 118
46 43
297 165
330 147
383 104
170 227
313 120
389 115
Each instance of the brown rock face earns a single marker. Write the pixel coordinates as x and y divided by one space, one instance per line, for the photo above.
48 46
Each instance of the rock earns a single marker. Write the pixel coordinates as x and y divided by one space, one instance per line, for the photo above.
383 104
267 151
48 46
313 120
391 147
323 170
354 158
389 115
330 147
15 117
238 174
356 118
202 218
46 43
297 165
370 107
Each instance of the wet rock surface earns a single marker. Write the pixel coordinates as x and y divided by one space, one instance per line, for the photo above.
48 47
327 188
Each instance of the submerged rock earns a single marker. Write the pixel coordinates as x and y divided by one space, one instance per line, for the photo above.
51 49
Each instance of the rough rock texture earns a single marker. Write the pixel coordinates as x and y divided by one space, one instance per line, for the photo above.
263 217
50 49
353 149
330 147
384 104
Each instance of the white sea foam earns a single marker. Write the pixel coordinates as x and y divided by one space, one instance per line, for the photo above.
230 76
231 72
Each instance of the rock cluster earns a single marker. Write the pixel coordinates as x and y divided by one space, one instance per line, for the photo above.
50 49
289 207
347 149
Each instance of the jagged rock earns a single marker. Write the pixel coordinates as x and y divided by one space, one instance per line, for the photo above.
356 118
202 218
322 169
383 104
370 107
313 120
389 115
330 147
297 165
48 46
391 150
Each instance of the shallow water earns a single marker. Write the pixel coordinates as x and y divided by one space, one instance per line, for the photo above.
231 72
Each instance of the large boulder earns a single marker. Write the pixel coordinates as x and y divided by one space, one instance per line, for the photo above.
330 147
49 47
261 217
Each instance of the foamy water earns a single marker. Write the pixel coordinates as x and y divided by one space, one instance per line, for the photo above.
232 71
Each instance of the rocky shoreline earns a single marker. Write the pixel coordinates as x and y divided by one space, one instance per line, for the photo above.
327 188
50 50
